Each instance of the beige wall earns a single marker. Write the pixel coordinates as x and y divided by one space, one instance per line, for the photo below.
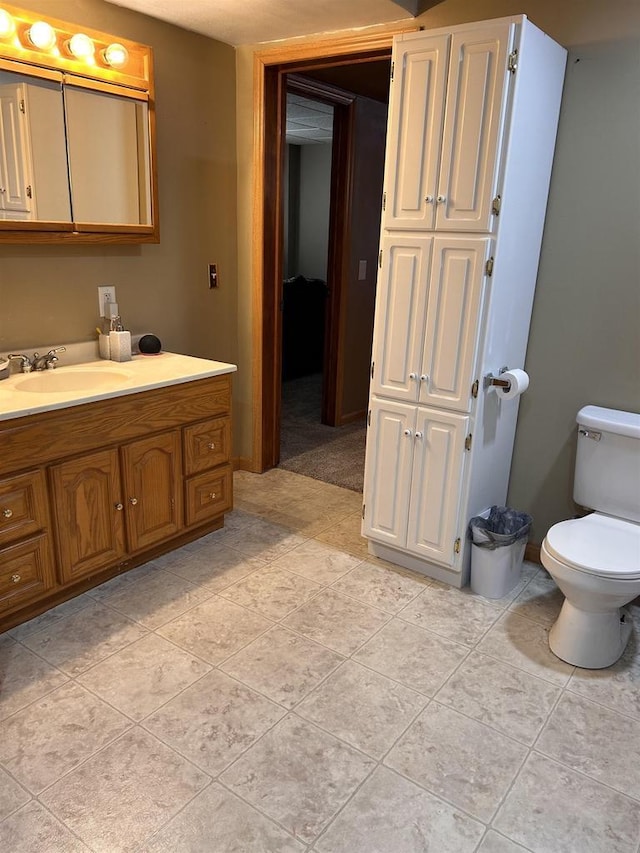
48 293
584 337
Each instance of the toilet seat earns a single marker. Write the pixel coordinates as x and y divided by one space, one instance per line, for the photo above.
597 544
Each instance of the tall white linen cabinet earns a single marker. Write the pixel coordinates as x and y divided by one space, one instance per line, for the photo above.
473 115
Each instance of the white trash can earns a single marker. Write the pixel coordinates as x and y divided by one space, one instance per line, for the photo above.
495 572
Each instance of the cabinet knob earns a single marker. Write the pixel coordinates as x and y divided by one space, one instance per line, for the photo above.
7 513
419 434
407 432
441 199
211 446
428 199
424 378
119 507
133 501
413 376
212 495
16 578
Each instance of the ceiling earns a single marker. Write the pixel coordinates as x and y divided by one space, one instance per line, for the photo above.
253 21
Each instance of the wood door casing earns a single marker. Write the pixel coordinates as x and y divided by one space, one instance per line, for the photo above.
86 496
152 479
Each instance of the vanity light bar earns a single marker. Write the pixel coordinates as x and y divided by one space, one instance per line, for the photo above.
41 35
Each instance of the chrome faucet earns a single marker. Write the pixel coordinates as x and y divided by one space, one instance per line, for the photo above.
48 361
39 362
25 361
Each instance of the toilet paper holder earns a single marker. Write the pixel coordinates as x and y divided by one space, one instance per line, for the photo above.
490 380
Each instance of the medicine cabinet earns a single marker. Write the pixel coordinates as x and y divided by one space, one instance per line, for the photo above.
77 134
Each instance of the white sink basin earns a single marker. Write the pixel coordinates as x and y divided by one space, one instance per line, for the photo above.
54 382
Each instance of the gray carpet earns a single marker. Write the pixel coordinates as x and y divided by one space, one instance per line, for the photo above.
331 454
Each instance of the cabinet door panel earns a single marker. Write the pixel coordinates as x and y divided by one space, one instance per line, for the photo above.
476 96
415 132
399 324
26 572
388 471
206 445
208 495
438 466
86 496
152 478
23 506
454 312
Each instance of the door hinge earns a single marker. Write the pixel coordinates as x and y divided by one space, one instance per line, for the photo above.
22 109
369 418
474 389
488 267
467 441
393 68
29 194
456 546
363 507
380 259
512 62
495 205
373 364
384 201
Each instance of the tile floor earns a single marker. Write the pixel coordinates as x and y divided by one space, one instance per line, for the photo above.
268 689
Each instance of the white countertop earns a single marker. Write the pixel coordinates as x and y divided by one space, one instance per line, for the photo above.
28 393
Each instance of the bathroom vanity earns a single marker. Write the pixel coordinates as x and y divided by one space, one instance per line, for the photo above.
103 467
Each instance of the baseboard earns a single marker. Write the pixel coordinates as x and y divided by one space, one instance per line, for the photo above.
353 416
242 463
532 553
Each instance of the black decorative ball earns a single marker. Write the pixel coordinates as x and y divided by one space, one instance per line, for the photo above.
149 344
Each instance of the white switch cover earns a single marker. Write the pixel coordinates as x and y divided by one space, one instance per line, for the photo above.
362 271
105 294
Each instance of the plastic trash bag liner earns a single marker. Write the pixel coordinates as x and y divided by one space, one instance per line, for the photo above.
504 526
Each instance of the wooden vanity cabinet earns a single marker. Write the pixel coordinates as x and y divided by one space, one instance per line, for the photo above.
119 482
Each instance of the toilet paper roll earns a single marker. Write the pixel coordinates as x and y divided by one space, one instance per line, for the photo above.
518 383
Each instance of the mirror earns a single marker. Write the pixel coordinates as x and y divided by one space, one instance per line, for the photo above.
76 149
109 170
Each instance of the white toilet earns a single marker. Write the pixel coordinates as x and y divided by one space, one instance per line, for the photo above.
595 560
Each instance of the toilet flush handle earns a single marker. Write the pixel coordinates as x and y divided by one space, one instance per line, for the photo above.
591 433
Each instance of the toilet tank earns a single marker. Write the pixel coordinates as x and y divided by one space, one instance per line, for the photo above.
607 475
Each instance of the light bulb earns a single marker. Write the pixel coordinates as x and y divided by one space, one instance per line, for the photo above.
116 55
42 35
7 25
81 46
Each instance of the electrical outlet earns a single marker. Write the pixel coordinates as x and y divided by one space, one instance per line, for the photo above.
213 276
105 294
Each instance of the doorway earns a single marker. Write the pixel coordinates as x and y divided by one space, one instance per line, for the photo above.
328 68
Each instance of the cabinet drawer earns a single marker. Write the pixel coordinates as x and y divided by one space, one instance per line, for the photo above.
26 573
206 445
23 506
208 495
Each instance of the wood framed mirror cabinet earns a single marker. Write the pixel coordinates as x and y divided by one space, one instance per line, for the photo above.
77 134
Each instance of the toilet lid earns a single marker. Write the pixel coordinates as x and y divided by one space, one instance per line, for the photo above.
599 544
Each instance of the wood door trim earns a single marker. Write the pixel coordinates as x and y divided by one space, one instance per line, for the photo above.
299 56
